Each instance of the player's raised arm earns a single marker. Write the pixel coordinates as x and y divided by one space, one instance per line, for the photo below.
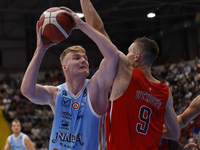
92 17
100 81
34 92
107 48
190 113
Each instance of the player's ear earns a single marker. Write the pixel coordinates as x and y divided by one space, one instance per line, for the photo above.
64 67
137 56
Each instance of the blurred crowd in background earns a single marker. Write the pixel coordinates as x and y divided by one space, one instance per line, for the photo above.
182 78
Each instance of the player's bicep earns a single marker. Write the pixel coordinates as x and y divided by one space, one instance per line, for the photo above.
171 121
43 95
106 73
28 143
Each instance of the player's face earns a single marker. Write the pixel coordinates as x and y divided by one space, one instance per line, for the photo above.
16 127
75 63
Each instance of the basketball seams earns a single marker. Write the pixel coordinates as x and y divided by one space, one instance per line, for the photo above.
65 19
53 20
50 26
68 22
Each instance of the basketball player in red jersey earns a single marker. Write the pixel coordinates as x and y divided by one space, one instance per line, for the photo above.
140 104
183 119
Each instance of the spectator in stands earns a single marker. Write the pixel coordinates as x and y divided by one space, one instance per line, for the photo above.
35 131
44 147
187 68
27 126
188 94
6 102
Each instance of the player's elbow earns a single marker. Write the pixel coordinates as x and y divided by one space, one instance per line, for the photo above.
99 27
25 91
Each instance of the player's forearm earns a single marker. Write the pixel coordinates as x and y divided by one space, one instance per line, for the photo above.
92 17
107 48
90 14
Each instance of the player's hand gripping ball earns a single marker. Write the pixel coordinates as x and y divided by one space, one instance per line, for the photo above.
56 26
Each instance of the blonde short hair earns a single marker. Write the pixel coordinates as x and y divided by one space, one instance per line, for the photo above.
75 48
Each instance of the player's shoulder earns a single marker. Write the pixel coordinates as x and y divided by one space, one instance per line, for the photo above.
26 138
123 61
8 138
52 89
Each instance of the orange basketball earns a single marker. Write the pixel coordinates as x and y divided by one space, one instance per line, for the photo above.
56 26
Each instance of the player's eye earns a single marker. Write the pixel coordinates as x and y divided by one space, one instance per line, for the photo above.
77 57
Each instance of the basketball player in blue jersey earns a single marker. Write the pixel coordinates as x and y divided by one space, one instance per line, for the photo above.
78 104
18 140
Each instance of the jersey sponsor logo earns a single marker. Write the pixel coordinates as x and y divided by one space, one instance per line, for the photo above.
75 105
148 98
64 123
66 115
68 137
64 93
80 116
67 146
65 102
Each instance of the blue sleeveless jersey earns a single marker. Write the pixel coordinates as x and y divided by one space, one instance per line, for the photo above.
76 126
17 143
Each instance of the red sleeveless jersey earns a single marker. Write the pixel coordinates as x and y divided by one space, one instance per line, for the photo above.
135 120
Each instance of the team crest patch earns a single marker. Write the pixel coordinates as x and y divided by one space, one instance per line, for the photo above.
75 105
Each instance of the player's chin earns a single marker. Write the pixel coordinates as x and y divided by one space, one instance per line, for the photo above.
84 70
